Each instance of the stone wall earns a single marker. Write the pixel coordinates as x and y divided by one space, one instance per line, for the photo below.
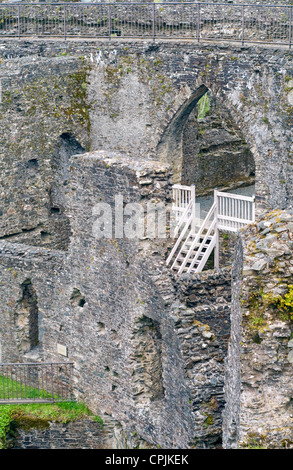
151 90
203 325
134 98
43 121
258 386
140 340
136 343
162 1
84 434
121 306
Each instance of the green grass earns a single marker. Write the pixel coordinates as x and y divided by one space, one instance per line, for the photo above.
12 388
5 421
30 415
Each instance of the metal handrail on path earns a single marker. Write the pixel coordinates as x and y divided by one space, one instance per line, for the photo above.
240 23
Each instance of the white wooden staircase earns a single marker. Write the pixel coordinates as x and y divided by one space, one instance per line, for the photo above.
194 245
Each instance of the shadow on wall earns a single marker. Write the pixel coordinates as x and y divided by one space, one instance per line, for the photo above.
170 147
26 318
146 361
66 146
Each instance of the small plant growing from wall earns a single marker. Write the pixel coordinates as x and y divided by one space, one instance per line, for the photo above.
261 302
203 106
283 304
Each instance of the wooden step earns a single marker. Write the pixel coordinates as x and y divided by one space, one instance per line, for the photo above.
208 240
186 249
178 265
191 257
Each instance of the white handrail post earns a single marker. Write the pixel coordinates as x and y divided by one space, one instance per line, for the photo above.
193 207
253 209
217 250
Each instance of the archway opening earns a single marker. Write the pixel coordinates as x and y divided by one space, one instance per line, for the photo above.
170 146
214 153
206 149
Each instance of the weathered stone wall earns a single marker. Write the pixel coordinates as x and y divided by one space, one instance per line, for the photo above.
84 434
258 385
151 90
135 98
112 303
43 120
106 298
232 378
120 304
161 1
203 324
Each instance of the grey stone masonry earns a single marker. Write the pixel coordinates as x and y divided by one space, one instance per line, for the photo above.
83 434
167 359
258 385
132 97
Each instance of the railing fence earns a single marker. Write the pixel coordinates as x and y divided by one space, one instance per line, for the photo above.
234 211
35 382
182 195
242 23
229 212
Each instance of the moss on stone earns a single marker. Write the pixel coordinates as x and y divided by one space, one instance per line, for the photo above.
209 420
39 416
149 73
56 104
29 422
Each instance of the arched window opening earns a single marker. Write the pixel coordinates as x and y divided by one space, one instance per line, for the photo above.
26 318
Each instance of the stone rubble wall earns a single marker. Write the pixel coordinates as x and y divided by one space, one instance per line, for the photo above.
83 434
119 296
103 298
134 98
259 412
203 325
154 391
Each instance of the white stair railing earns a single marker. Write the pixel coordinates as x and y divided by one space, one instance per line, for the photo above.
185 214
229 212
203 239
194 248
184 235
234 211
182 196
183 219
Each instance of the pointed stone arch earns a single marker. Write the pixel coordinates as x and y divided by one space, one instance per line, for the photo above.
209 152
170 145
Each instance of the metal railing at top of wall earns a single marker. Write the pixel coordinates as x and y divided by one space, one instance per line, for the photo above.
244 23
